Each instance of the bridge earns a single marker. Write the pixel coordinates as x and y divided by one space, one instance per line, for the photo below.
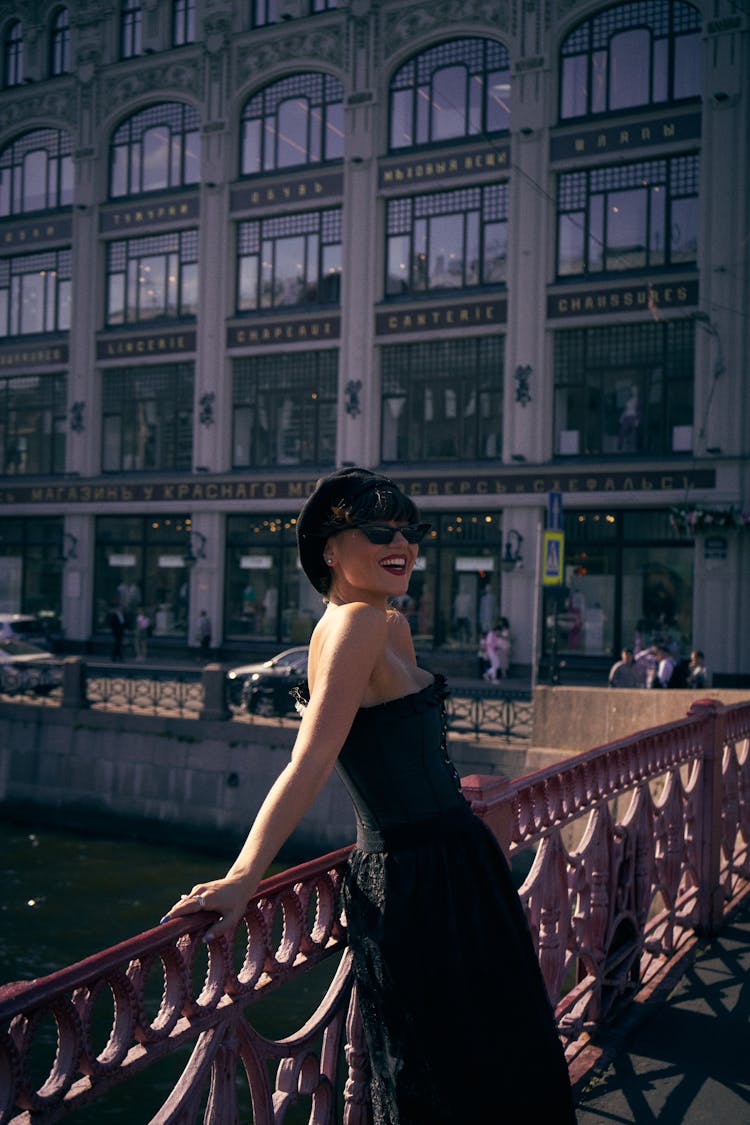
638 869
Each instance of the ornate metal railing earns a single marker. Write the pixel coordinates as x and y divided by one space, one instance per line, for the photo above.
481 712
640 846
152 692
493 713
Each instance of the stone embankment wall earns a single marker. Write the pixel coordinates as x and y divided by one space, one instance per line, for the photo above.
187 780
196 781
568 720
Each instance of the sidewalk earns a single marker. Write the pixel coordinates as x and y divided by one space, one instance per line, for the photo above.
688 1063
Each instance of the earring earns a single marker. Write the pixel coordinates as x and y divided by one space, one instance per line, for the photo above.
329 562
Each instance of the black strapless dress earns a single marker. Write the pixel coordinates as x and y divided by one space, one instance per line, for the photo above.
457 1019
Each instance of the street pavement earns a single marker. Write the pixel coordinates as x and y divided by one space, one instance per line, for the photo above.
688 1063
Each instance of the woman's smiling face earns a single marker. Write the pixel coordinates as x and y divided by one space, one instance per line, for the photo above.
365 571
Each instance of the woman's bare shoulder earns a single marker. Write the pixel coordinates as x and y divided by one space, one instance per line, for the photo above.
348 633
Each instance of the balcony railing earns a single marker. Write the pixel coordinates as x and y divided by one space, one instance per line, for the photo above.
639 847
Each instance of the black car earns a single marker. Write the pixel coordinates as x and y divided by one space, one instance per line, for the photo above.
264 689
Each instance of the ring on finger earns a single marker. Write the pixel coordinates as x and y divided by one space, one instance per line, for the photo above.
200 900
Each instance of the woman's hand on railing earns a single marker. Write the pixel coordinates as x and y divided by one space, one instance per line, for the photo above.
226 897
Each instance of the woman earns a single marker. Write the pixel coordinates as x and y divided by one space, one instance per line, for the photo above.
456 1015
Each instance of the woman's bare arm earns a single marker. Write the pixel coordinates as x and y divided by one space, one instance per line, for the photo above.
352 645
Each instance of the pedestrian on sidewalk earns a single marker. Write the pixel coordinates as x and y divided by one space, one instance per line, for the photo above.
204 634
142 626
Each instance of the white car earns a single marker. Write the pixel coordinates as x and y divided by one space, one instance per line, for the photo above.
26 667
21 626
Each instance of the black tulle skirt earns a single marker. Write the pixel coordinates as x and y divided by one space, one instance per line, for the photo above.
457 1020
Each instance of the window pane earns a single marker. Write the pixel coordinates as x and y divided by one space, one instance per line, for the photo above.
598 82
334 132
397 280
495 252
289 271
292 141
629 68
152 287
189 295
35 181
626 229
119 173
446 251
251 131
498 101
63 302
32 303
684 231
688 66
331 275
116 299
570 244
247 297
155 159
402 129
660 91
574 86
471 274
448 103
657 202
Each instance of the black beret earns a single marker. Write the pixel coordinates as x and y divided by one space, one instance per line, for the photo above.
317 521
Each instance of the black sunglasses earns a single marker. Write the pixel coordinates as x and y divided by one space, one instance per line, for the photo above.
381 533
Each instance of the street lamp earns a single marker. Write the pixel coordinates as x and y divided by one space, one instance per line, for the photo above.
512 558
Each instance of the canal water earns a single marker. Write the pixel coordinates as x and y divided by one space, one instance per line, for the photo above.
67 895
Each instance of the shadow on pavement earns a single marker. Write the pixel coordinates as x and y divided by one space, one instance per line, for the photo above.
689 1062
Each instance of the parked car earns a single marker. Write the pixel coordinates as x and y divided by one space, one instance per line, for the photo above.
264 689
26 667
21 626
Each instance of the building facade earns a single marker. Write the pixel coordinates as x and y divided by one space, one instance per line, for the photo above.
497 250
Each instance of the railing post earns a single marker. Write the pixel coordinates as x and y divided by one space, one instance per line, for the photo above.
710 889
214 694
74 672
484 793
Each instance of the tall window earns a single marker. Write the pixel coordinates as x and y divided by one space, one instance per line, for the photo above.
13 54
59 62
625 389
289 260
155 149
36 172
456 89
32 424
130 29
644 53
35 292
139 562
32 576
183 22
442 400
629 216
284 409
147 418
448 240
152 278
298 120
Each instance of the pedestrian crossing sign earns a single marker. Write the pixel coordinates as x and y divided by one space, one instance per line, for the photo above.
553 558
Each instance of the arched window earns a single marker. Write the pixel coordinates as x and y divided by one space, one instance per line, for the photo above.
456 89
59 62
644 53
295 121
36 173
155 149
13 54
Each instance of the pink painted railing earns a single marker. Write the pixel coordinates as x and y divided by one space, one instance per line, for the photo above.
639 846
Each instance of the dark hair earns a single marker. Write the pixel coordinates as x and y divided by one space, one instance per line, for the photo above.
346 499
